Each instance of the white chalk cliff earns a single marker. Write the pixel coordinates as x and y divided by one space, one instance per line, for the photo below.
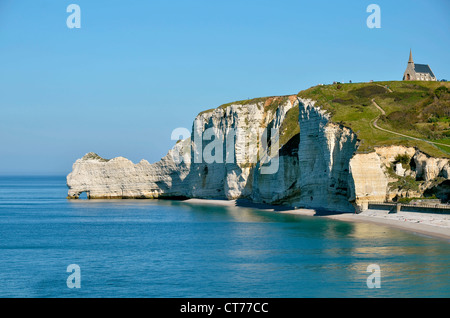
317 168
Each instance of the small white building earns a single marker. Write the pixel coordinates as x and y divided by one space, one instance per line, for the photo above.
418 72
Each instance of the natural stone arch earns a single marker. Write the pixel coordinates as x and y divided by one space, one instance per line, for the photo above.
82 195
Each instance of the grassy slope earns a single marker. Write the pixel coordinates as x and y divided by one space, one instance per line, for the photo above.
412 108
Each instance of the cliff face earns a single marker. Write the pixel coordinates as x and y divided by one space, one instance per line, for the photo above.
119 178
379 176
238 130
226 157
324 153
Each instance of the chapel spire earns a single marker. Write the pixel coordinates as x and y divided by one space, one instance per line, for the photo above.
410 57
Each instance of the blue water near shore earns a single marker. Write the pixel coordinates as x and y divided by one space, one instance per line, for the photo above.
143 248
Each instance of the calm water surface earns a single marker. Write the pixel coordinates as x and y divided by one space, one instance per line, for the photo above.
133 248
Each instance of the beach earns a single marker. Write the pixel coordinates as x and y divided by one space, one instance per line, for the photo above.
429 224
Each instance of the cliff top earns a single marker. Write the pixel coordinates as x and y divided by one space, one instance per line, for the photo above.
408 113
269 102
289 128
94 156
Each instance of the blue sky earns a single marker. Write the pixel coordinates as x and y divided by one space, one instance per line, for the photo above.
136 70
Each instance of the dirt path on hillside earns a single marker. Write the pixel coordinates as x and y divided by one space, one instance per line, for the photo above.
385 87
396 133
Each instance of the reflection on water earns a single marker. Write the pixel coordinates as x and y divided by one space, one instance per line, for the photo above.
144 248
413 261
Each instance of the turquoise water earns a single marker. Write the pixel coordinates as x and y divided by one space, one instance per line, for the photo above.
133 248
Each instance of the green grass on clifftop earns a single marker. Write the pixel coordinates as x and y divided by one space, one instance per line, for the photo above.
417 109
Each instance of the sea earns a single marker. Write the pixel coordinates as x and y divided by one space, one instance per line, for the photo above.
51 247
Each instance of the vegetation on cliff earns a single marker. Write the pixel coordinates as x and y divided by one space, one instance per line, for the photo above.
417 109
94 156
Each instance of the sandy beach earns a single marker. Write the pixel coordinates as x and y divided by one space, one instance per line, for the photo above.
429 224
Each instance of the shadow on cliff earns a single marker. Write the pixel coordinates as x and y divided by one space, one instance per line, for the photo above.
243 203
323 212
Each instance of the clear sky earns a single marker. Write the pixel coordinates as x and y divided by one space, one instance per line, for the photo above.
136 70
